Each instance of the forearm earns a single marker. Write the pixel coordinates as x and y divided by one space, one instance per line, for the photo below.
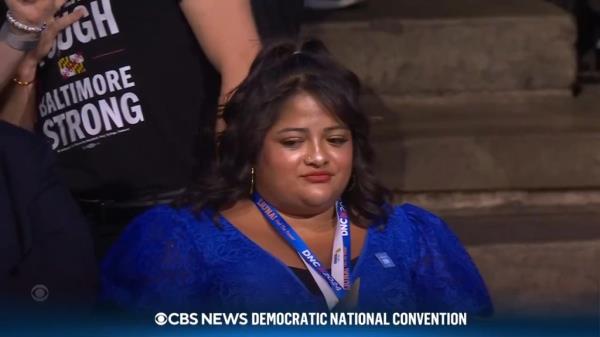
233 74
19 106
10 59
226 31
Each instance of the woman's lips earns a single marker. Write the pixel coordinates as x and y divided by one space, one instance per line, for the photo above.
318 177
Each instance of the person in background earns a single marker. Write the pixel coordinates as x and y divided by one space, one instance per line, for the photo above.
46 251
127 96
586 14
46 247
293 217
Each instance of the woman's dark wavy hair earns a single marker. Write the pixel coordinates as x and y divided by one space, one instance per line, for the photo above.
280 71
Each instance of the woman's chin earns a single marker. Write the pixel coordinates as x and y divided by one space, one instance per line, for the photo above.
319 199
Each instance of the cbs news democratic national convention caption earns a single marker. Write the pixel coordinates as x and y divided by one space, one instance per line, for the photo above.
312 319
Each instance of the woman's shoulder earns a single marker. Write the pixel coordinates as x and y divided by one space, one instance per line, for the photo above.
161 228
160 213
420 228
445 275
156 261
169 218
424 226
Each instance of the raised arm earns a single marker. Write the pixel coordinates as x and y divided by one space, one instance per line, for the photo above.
10 59
18 108
32 15
227 33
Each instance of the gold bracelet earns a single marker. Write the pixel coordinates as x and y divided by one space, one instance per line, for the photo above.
22 83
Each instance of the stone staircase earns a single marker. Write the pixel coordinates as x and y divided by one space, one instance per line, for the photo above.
535 260
440 47
474 117
491 144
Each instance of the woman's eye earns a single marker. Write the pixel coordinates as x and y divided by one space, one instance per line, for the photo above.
291 142
338 140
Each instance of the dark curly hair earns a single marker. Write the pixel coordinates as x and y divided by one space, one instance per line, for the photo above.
280 71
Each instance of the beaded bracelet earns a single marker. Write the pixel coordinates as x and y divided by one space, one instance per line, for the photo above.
23 27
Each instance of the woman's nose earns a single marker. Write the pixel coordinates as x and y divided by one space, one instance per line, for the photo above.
315 156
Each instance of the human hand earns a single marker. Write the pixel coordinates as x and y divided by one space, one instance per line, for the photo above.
33 12
48 36
27 68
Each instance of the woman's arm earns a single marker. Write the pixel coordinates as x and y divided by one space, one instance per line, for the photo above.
10 59
33 13
227 33
445 278
19 105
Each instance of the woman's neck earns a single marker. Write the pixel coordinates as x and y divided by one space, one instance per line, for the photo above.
316 223
307 219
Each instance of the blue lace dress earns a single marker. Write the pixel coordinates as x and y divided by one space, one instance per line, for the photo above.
171 259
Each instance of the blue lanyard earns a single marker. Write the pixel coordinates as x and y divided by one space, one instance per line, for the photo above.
341 246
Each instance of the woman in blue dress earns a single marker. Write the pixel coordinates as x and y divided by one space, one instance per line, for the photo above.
293 218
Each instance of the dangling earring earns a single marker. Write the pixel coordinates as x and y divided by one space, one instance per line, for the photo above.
251 180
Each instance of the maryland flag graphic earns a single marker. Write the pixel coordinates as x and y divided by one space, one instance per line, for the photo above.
71 65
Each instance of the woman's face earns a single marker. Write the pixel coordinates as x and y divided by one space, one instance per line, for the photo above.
306 159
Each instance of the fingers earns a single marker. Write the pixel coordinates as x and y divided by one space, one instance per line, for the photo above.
67 20
55 26
49 35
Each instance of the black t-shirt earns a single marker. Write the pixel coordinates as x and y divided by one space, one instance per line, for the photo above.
127 99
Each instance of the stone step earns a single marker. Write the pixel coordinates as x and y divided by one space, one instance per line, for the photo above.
485 200
444 47
557 278
535 260
499 144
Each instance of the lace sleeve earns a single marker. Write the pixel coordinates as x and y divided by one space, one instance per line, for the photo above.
155 265
446 278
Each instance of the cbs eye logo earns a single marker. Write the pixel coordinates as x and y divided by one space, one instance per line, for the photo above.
176 318
160 318
39 293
